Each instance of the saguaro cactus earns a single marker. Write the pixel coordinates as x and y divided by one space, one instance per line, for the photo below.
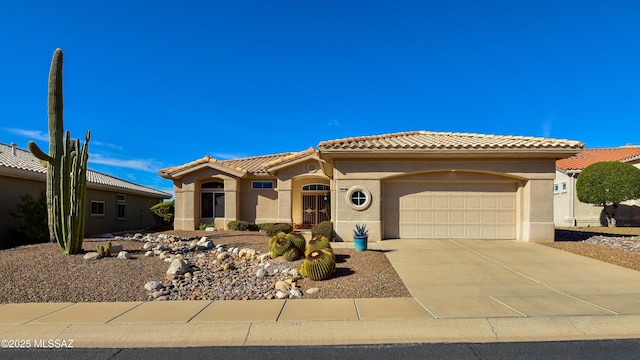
66 170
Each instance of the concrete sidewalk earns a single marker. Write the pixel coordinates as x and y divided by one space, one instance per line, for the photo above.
463 291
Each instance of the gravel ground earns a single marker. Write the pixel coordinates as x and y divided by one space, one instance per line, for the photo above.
41 273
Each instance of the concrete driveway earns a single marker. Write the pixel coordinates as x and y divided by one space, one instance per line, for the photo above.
481 279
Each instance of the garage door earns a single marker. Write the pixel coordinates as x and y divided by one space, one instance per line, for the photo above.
450 211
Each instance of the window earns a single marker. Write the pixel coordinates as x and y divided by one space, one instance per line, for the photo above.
358 198
121 206
212 200
97 208
556 188
256 185
564 187
211 205
316 187
212 185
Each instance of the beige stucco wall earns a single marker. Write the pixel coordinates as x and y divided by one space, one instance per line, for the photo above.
534 176
187 195
138 216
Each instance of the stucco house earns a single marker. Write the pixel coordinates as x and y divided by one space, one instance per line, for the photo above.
569 211
112 204
409 185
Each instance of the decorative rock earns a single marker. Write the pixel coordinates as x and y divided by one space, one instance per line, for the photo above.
312 290
261 272
91 256
153 285
124 255
296 293
209 228
177 267
281 295
148 253
116 248
281 286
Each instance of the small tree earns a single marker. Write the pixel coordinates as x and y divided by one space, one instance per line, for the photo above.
31 218
608 183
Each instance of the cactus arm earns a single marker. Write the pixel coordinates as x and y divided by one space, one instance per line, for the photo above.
39 154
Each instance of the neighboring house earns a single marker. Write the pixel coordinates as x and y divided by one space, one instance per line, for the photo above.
112 204
410 185
569 211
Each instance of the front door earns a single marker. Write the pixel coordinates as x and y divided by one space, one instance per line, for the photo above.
314 209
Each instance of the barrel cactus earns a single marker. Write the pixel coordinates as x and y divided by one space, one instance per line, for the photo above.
292 254
66 165
318 265
298 241
317 243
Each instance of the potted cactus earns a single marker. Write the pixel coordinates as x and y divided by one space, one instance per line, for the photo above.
361 237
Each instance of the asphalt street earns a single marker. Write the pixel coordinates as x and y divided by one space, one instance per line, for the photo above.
583 350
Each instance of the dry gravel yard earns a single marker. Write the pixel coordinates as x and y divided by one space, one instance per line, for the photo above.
41 273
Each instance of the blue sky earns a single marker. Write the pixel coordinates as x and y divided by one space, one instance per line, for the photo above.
163 83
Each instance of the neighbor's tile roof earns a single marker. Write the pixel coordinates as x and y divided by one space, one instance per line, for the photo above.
445 140
24 160
589 156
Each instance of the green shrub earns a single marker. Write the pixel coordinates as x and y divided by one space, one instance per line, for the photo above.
242 226
32 218
164 213
273 229
608 183
264 226
204 226
325 229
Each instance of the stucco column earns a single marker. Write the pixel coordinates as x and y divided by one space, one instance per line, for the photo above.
285 201
538 223
185 207
231 207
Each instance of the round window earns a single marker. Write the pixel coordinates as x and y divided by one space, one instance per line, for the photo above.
358 198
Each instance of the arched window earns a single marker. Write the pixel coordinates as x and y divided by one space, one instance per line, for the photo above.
316 187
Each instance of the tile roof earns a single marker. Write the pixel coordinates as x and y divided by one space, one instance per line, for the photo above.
253 164
445 141
25 161
291 157
589 156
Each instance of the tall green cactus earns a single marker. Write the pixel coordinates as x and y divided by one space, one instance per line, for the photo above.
66 170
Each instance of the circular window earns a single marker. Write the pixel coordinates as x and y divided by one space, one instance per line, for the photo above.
358 198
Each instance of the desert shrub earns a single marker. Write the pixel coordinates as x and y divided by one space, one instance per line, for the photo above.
32 228
325 229
273 229
242 225
264 226
204 226
164 213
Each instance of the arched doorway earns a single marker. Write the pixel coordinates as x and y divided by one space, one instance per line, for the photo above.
316 204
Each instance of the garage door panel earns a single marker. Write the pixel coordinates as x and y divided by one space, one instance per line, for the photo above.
442 211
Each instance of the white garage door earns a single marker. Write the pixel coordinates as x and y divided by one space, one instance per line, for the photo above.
450 211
